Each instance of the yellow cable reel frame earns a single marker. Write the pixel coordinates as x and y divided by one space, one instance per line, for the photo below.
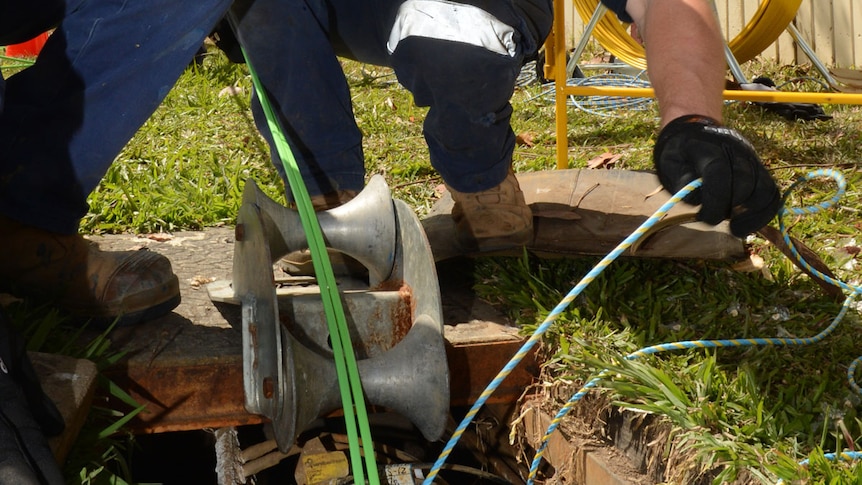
765 26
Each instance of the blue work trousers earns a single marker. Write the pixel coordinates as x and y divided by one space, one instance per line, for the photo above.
466 87
101 74
110 63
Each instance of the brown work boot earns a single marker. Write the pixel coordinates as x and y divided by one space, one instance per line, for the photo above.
494 219
332 200
298 263
87 284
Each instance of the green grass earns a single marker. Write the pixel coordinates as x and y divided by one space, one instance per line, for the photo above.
738 414
744 414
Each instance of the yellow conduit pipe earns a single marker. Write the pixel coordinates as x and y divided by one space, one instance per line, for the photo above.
769 21
765 26
562 92
753 96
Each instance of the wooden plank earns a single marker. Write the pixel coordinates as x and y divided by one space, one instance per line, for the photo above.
785 49
843 33
804 24
580 461
821 20
855 41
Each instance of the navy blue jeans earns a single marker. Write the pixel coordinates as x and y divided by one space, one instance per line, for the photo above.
102 73
467 87
110 63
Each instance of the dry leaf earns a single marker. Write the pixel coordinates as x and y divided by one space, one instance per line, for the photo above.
230 91
198 281
601 59
390 104
525 139
654 192
750 265
7 299
604 160
160 237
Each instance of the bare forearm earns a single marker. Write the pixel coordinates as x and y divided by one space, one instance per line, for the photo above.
685 55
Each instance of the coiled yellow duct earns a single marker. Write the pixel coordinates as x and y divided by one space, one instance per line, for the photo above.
765 26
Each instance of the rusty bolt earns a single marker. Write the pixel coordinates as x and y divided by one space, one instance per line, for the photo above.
268 387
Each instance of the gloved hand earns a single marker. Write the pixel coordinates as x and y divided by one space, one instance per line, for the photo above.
736 185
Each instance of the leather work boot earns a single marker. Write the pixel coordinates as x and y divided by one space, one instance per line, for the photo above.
298 263
332 200
84 282
494 219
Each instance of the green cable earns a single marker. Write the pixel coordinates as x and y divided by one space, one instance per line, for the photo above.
342 348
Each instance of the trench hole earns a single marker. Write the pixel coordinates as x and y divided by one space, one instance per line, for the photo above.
482 456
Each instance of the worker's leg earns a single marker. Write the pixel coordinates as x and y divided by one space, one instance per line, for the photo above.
294 57
463 62
99 77
101 74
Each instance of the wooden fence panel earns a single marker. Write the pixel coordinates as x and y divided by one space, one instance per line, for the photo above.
833 28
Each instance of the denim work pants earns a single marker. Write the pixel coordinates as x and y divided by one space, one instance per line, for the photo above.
467 86
102 73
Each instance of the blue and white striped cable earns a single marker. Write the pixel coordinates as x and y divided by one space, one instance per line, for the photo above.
602 265
549 320
854 291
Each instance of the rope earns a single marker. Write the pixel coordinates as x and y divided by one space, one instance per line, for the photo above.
692 344
843 456
768 22
602 265
602 105
702 344
550 319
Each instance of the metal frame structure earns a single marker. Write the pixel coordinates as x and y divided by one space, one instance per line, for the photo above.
557 69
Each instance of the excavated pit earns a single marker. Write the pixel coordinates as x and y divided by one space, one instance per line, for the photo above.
187 369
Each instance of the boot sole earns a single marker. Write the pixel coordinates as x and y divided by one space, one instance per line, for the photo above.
495 244
127 319
132 318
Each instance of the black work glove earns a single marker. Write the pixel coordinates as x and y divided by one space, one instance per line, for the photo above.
736 185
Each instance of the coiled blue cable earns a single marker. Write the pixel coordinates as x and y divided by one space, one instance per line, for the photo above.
844 455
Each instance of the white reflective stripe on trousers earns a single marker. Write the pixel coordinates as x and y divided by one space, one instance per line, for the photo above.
439 19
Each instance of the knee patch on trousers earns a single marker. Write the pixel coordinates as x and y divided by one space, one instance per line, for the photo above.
449 21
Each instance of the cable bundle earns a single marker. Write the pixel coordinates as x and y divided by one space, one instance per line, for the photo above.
600 105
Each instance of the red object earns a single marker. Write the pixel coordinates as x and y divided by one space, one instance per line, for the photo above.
30 48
